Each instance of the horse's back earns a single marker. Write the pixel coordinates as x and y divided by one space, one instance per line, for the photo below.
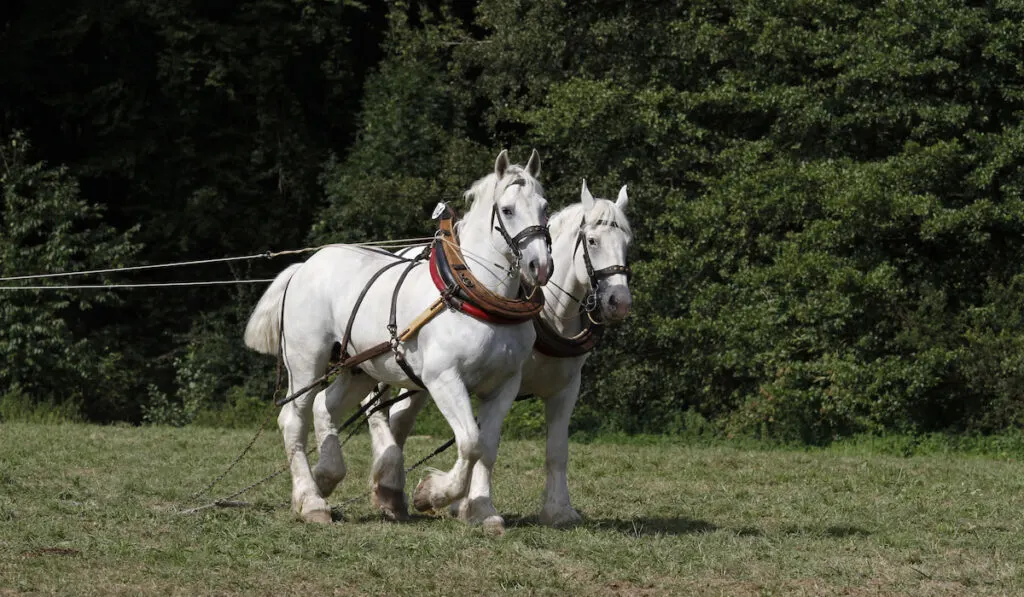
323 293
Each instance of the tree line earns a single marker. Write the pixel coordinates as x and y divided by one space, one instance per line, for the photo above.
827 195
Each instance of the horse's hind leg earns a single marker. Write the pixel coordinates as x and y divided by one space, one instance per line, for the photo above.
293 420
387 477
402 416
329 407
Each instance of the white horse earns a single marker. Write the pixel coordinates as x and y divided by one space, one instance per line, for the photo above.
590 241
453 355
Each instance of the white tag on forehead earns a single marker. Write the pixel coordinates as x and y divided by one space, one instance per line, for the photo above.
438 211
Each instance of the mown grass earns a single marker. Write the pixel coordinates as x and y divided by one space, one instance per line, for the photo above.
89 510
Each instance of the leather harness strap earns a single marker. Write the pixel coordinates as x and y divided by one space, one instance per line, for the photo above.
459 290
550 343
596 275
393 324
359 301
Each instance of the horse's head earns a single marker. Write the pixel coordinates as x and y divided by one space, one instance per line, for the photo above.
599 255
519 218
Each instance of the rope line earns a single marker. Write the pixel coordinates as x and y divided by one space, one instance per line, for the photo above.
147 285
396 243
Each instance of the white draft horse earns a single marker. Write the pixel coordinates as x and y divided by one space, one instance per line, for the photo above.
306 309
590 241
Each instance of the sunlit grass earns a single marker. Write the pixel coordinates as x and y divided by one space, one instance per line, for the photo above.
88 510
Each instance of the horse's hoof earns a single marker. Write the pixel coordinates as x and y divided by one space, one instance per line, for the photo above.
391 503
421 497
494 525
561 517
317 516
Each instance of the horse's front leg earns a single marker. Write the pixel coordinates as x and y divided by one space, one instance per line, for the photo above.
438 489
477 507
558 409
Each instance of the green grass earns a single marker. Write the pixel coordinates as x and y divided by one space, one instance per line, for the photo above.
89 510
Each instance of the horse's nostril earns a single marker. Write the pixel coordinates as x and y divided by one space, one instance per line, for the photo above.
533 266
613 300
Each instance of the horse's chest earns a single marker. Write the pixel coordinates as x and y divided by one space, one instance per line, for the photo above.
500 352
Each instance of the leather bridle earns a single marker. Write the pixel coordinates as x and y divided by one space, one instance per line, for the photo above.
515 243
589 302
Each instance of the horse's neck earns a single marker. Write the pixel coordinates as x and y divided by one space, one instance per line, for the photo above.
562 312
488 264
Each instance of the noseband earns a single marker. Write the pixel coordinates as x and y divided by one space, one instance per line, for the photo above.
590 301
515 242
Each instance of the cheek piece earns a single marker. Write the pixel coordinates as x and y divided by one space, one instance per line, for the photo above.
589 303
516 242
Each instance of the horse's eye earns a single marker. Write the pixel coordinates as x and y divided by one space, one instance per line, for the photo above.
592 241
506 211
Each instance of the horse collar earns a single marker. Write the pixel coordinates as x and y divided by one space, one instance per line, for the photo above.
463 292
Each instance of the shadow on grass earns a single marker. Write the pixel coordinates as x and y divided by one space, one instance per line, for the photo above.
635 527
841 531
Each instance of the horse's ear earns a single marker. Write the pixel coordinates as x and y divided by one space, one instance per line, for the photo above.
533 166
501 164
623 199
586 197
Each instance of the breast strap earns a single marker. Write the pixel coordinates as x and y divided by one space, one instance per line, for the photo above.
550 343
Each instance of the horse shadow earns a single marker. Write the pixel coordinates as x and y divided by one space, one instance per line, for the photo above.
632 527
639 526
841 531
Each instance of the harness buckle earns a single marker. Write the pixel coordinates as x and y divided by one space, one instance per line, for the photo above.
393 330
513 268
446 295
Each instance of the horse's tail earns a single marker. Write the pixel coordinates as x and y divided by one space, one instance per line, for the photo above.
263 332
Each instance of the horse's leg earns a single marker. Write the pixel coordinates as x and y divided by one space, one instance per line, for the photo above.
328 408
557 410
438 489
477 507
294 420
403 415
387 476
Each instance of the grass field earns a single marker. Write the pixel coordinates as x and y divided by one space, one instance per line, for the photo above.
88 510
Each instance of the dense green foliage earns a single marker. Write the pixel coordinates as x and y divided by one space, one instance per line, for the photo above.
828 196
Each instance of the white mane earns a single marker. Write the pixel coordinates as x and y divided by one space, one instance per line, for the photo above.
481 194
